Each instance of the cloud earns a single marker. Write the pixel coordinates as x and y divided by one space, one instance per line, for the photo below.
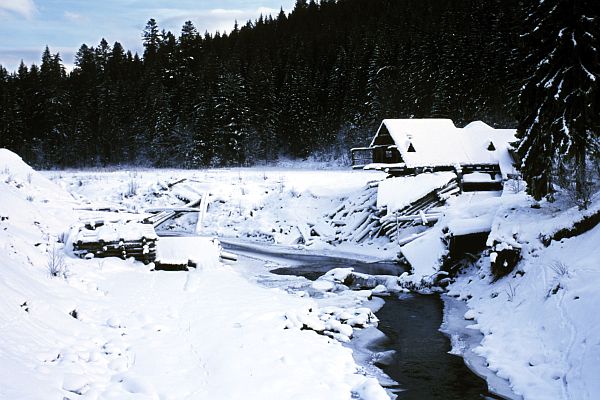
25 8
267 10
211 20
74 17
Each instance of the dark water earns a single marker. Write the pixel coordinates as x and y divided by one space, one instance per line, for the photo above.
312 266
316 269
421 363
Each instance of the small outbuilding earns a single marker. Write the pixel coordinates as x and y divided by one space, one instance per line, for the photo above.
412 146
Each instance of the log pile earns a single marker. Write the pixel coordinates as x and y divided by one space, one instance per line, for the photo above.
419 212
123 240
357 219
160 216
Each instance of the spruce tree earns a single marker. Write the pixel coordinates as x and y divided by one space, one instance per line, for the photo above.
54 108
559 104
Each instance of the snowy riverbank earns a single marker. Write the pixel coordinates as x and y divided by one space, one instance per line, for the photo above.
542 331
111 328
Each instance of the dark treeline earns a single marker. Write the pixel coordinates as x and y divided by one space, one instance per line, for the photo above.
317 80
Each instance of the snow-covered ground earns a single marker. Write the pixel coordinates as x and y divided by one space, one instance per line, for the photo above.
268 205
113 329
541 327
109 328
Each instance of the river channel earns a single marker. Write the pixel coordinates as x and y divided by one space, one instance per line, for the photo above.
420 361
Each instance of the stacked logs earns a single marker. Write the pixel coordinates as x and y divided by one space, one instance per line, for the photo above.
357 219
132 239
418 212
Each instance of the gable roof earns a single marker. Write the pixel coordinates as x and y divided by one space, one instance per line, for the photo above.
437 142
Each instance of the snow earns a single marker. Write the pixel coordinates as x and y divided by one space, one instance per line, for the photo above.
123 231
114 329
267 205
202 251
476 138
397 193
468 213
540 324
17 174
477 177
467 226
437 142
402 129
465 339
425 254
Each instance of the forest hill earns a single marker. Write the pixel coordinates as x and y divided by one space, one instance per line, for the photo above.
317 80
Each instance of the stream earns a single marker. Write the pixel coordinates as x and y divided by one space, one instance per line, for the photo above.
420 361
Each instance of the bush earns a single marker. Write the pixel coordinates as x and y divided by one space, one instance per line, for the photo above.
511 292
56 265
579 181
560 269
132 187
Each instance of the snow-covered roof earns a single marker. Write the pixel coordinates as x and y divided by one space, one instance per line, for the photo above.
437 142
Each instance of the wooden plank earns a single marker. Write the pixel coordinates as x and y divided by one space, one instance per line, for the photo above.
172 209
203 210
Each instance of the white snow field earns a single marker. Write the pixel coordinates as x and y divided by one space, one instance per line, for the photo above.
114 329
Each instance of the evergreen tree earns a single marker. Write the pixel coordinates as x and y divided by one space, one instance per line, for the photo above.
151 39
560 103
321 77
84 120
231 117
5 116
54 108
262 107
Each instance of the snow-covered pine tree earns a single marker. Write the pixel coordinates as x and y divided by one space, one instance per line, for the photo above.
231 116
560 102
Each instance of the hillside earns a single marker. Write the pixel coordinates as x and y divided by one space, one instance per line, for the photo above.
316 81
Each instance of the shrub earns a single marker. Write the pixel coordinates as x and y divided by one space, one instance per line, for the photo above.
560 269
132 187
511 292
56 264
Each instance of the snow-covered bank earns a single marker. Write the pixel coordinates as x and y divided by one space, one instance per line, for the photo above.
542 331
539 322
113 329
465 338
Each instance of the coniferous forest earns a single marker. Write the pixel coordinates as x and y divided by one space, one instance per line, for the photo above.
318 80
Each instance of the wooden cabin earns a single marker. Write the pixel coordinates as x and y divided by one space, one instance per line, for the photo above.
412 146
436 144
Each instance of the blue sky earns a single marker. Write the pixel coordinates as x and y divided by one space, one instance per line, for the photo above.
27 26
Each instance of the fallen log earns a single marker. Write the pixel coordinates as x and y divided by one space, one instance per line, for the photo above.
170 185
